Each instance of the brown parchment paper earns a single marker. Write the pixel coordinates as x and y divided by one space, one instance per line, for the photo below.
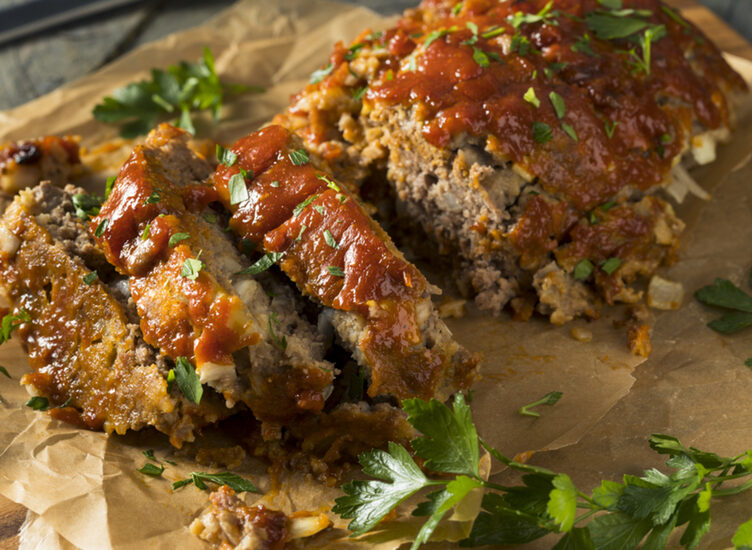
82 488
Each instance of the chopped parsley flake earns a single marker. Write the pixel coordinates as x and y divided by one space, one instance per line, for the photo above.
11 322
191 268
262 264
352 52
541 132
569 130
318 208
493 31
175 238
359 93
330 240
38 403
188 380
610 126
321 74
583 269
299 209
145 232
433 36
280 342
275 183
457 8
108 186
335 271
209 217
299 157
558 103
531 98
226 156
300 234
610 265
90 277
480 57
99 231
329 183
237 188
153 198
152 470
87 206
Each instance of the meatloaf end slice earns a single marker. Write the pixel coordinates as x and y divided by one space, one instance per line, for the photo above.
87 357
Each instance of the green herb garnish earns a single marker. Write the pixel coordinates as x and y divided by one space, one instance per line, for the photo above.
226 156
233 481
175 238
330 240
335 270
262 264
188 380
610 265
542 132
237 188
191 268
299 157
636 512
551 398
725 294
101 227
531 98
11 322
90 277
280 342
321 74
558 103
180 90
152 470
583 269
38 403
87 206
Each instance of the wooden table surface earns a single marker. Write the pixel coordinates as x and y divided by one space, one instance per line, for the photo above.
37 65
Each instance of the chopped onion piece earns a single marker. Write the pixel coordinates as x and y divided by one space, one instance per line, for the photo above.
306 526
664 294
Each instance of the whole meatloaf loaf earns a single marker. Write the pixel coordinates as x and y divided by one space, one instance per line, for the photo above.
80 328
528 139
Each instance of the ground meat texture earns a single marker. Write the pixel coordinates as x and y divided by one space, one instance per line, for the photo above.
507 143
183 270
83 350
24 164
336 254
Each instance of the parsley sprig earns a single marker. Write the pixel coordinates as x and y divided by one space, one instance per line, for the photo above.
616 515
176 92
725 294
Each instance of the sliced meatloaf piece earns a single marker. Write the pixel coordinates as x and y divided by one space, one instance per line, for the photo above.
87 354
318 232
528 139
246 341
26 163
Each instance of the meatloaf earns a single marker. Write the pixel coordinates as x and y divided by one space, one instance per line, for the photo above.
87 353
26 163
246 341
322 238
531 141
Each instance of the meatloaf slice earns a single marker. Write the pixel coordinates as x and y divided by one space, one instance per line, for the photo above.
87 355
156 227
526 139
25 163
329 246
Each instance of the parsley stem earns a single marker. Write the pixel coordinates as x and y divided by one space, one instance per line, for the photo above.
733 490
587 515
490 485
